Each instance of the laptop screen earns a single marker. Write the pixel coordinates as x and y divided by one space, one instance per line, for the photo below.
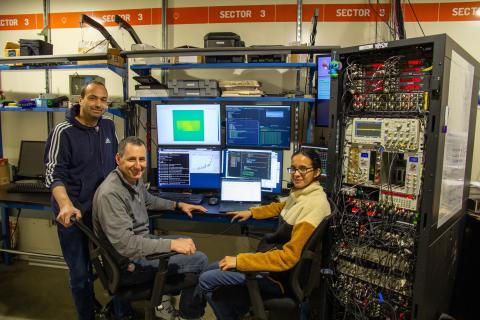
241 190
30 160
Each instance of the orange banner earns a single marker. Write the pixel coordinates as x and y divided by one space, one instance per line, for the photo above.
190 15
39 19
65 19
308 11
18 22
356 12
134 17
242 14
157 15
460 11
360 12
286 13
421 11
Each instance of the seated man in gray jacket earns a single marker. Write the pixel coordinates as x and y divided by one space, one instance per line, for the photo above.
120 214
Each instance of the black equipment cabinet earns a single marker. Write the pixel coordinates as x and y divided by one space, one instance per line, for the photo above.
402 120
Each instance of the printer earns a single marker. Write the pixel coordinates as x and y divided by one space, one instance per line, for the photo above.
223 40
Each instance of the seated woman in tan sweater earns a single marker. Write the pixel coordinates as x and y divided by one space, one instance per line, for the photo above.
299 215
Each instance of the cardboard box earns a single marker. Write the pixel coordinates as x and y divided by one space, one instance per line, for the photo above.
4 171
113 58
186 59
11 49
297 57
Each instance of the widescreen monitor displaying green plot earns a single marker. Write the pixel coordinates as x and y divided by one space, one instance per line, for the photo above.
188 124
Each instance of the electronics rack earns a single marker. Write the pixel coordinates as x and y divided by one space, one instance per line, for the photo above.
397 151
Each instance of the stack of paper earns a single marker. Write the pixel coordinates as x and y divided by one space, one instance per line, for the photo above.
237 88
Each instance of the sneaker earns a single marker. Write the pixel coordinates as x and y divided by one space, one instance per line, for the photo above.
166 310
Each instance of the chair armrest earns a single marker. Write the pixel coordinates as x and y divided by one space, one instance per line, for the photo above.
164 255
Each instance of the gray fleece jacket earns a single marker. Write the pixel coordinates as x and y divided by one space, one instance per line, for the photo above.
120 216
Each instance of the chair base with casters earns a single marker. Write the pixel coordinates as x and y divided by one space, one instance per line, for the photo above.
131 282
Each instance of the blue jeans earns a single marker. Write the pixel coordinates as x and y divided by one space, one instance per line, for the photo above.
74 246
192 304
227 293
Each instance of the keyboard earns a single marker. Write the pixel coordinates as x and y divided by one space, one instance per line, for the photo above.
192 198
236 206
30 187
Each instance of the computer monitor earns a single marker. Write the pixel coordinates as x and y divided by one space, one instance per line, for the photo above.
77 82
188 124
265 165
258 126
323 91
322 153
241 190
30 160
189 168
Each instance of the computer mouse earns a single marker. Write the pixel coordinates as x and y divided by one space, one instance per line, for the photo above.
213 201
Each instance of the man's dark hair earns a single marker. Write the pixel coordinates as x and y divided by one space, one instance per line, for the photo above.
136 141
84 88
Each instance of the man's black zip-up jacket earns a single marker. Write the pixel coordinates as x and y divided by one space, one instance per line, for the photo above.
79 157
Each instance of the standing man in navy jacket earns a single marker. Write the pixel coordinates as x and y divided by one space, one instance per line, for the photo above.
79 154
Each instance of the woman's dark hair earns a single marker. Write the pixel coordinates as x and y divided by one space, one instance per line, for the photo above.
312 155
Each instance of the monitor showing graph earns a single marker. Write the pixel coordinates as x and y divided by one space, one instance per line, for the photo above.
189 168
258 126
188 124
265 165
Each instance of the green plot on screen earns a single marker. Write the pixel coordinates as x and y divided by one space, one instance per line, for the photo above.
188 125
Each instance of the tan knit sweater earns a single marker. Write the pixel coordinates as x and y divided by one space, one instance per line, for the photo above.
304 209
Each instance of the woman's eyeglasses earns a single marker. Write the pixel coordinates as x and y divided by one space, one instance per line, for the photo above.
301 170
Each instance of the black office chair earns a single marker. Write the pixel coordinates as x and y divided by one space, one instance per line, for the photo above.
302 280
120 277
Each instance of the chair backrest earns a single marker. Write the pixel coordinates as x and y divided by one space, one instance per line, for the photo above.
305 276
107 262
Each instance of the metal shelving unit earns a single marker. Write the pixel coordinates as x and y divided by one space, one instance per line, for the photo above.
294 100
228 99
60 62
120 71
254 65
115 112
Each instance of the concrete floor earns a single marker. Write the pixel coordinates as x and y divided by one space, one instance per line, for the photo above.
31 292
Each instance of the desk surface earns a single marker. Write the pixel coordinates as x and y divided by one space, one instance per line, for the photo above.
29 199
211 216
41 201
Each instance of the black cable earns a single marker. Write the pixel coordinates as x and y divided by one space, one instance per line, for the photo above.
400 20
19 211
379 16
415 15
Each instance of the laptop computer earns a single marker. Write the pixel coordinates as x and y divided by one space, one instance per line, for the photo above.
239 194
30 174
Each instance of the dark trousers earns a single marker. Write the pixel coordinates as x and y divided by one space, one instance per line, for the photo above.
227 293
192 304
74 246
